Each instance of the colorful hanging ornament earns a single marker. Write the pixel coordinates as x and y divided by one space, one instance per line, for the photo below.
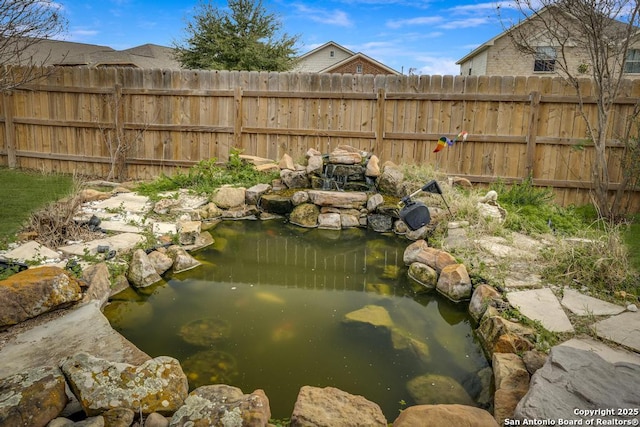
444 141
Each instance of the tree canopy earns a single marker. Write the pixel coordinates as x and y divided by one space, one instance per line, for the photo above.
244 36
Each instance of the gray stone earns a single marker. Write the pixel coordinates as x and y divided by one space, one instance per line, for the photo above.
120 243
161 262
623 329
584 305
182 261
577 379
543 306
286 162
276 204
315 165
254 193
329 221
390 181
380 223
610 354
295 178
125 202
299 197
157 385
156 420
188 232
98 278
32 397
331 407
423 274
118 417
534 360
142 272
49 343
349 220
32 251
374 201
223 405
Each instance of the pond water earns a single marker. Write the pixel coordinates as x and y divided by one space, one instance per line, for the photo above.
267 310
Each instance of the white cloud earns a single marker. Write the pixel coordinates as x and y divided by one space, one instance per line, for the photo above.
420 20
465 23
324 16
438 66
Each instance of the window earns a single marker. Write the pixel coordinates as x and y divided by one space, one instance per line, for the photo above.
632 63
359 69
332 53
545 60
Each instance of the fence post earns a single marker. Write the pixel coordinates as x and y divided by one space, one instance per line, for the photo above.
237 122
380 118
532 132
9 129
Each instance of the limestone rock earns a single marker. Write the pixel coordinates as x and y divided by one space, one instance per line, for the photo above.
182 261
433 389
338 199
573 378
512 383
349 219
156 420
454 282
91 195
97 276
161 261
223 405
498 335
444 416
344 157
374 201
32 397
164 206
210 211
141 272
227 197
330 407
534 360
276 204
423 274
188 232
483 297
295 178
158 385
373 167
390 181
305 215
419 251
299 197
118 417
286 162
253 194
315 164
329 221
36 291
458 181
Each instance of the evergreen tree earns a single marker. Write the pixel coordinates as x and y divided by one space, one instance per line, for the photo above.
244 37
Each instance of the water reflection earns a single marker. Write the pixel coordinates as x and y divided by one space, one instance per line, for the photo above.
279 296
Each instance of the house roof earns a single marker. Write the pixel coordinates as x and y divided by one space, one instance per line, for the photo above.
56 52
349 56
355 57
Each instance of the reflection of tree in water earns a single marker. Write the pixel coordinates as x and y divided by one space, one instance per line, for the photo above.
205 332
210 367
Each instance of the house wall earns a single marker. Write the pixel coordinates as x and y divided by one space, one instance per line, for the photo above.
476 66
367 68
321 59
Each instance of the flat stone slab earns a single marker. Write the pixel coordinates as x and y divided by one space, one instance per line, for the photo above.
120 227
584 305
32 251
543 306
118 242
161 228
49 343
127 202
611 355
623 329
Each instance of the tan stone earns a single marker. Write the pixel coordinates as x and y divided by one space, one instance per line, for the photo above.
444 416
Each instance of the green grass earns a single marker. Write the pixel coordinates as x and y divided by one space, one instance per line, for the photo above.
632 240
25 192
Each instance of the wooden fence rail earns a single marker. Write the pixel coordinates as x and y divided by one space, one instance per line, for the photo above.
141 123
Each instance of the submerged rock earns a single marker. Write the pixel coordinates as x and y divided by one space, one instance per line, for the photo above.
205 332
374 315
433 389
210 367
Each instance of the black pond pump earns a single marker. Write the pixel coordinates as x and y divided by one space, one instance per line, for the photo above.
416 214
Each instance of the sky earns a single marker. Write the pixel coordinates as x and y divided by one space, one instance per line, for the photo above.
418 36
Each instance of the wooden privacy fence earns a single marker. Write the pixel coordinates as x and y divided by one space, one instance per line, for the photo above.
140 123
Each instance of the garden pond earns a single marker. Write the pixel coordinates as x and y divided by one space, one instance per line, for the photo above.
267 310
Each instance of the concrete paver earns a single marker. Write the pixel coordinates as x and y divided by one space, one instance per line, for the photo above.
127 202
584 305
543 306
623 329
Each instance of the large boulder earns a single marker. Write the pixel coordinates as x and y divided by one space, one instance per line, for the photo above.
253 194
498 335
338 199
574 382
158 385
182 261
426 276
305 215
98 278
511 382
420 251
454 282
483 296
331 407
32 397
223 405
36 291
295 178
227 197
390 181
142 272
444 416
